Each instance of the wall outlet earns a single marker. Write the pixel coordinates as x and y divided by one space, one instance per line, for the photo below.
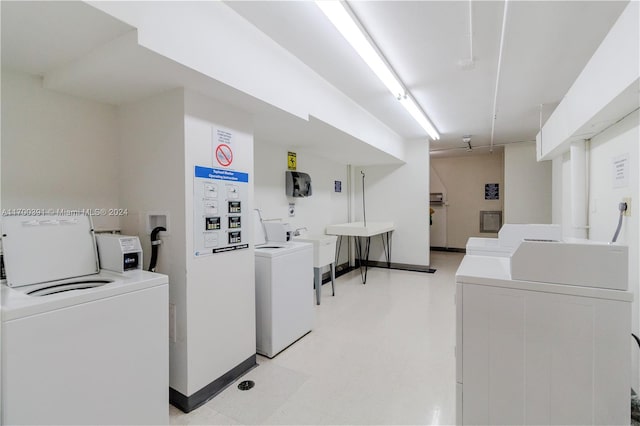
292 209
628 201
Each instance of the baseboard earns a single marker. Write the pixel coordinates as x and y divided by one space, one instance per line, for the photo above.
345 268
341 269
400 266
190 403
449 249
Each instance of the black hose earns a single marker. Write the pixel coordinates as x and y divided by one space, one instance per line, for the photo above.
637 340
155 242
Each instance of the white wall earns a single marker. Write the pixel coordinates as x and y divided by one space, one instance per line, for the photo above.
398 194
221 287
162 139
323 208
465 178
152 180
527 185
621 139
59 151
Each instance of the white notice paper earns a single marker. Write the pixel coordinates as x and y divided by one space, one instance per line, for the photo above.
620 171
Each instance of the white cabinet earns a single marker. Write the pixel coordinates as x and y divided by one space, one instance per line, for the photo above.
530 355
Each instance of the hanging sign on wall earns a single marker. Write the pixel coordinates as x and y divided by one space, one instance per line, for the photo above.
224 155
292 160
492 191
621 171
221 144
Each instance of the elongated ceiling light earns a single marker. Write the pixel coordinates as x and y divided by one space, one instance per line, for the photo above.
340 17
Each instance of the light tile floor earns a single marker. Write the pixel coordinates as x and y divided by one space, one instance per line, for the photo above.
380 353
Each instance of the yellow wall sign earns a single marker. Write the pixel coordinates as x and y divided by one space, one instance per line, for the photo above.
292 161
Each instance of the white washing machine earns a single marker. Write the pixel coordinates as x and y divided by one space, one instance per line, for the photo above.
85 348
284 292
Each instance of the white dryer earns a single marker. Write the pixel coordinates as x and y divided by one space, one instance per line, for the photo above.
543 336
87 347
284 292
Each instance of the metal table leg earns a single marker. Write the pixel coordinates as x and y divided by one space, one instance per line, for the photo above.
362 252
386 244
317 282
333 279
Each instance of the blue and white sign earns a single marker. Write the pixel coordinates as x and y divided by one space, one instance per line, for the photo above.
221 174
220 210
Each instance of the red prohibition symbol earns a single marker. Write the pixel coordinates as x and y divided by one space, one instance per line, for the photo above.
224 155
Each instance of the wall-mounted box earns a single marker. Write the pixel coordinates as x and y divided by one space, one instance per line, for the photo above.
436 198
297 184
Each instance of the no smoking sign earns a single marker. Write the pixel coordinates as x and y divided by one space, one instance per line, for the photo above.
224 155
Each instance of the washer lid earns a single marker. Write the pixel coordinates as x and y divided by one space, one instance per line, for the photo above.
46 248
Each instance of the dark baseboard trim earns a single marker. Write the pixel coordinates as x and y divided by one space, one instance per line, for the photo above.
345 268
190 403
400 266
340 270
449 249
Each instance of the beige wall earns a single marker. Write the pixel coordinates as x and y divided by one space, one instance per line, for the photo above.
464 179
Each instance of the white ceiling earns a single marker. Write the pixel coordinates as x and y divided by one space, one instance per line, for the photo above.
546 46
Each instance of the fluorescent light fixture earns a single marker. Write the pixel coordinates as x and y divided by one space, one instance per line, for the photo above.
340 17
410 105
343 21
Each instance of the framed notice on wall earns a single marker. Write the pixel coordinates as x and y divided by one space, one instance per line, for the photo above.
492 191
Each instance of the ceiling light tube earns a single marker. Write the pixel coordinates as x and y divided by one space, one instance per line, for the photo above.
348 26
410 105
342 20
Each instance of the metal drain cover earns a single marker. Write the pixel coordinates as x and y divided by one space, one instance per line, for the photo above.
246 385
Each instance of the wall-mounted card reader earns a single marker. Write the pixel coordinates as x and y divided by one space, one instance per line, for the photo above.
119 253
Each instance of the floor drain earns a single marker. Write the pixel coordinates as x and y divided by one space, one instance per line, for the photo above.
246 385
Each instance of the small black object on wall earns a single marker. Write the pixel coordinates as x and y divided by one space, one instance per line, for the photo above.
298 184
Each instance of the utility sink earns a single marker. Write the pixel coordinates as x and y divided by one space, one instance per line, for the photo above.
324 248
324 254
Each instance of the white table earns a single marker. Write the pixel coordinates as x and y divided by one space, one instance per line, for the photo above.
359 230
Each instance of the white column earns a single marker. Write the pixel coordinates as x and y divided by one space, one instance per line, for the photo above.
579 190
